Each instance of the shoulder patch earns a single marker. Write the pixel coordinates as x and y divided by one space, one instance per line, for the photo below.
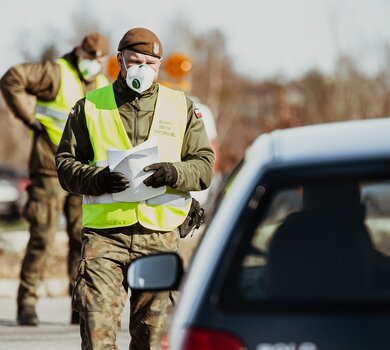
198 113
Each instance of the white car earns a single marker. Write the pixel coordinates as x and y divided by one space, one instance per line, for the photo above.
313 276
12 193
206 197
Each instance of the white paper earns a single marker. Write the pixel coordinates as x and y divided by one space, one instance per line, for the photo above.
131 163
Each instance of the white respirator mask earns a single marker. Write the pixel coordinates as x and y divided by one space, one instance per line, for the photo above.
140 77
89 68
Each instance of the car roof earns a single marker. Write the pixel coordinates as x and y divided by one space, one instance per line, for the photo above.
318 143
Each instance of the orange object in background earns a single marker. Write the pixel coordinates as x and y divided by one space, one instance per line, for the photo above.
177 65
112 68
176 72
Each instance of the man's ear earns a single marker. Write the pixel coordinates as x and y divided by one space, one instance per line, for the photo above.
119 58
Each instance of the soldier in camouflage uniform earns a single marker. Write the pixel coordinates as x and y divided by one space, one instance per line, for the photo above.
57 85
132 110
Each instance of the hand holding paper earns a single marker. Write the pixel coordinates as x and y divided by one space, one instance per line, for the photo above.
164 174
113 182
132 163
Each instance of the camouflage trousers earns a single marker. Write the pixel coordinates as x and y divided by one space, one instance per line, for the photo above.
101 288
46 202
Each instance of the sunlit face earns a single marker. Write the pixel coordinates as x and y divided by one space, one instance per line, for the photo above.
131 58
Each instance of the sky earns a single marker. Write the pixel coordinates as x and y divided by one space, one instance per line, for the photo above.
264 38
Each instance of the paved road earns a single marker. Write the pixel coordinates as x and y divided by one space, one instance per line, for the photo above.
54 332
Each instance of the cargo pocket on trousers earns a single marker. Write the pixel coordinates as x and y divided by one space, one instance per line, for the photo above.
76 295
89 293
84 296
35 212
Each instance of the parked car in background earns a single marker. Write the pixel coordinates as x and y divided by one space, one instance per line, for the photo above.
13 185
313 276
207 197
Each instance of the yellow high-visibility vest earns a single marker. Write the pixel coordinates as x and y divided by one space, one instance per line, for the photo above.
162 213
53 114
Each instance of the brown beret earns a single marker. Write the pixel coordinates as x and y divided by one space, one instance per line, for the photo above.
95 45
141 40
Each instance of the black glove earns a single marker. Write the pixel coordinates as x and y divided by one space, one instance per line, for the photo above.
112 182
164 174
36 126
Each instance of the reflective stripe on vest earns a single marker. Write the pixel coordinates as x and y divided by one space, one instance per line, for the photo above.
53 114
162 213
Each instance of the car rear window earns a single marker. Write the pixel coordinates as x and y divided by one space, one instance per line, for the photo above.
318 242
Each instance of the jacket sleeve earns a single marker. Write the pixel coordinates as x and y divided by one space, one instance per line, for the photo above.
195 171
73 155
22 81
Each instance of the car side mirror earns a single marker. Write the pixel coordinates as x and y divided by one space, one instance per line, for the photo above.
156 272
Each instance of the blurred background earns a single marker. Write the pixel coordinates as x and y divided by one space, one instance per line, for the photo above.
257 64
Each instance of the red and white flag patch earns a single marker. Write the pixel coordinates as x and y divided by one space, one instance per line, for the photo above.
198 113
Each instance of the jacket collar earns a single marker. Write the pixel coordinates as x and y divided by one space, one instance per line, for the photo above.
125 94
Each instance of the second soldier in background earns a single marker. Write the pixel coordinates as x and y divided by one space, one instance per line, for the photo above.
57 85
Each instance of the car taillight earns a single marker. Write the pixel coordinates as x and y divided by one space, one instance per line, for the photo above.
214 146
23 184
206 339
